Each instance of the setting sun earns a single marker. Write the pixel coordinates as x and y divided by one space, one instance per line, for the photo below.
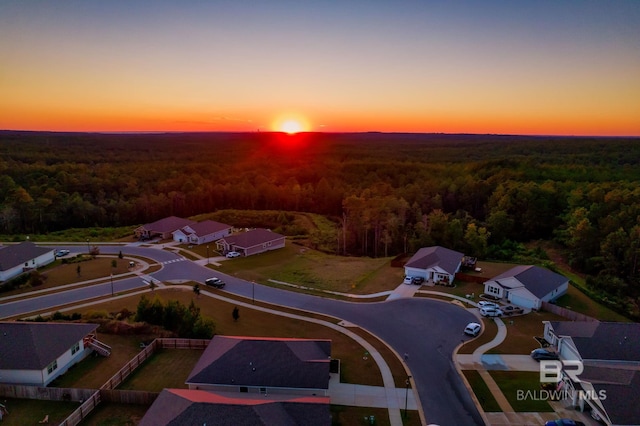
290 124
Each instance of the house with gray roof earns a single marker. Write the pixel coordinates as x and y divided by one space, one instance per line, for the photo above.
162 228
198 407
35 353
263 365
18 258
608 355
203 232
251 242
434 264
527 286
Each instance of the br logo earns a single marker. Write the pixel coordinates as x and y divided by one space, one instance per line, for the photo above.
551 370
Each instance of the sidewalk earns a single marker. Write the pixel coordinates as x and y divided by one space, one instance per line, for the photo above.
367 396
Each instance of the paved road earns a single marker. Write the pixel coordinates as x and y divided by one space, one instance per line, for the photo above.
428 330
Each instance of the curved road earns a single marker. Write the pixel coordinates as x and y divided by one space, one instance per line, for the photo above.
427 330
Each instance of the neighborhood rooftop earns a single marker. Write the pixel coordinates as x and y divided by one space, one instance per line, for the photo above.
539 281
18 254
614 341
446 259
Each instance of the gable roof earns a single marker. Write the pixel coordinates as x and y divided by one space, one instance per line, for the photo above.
196 407
436 256
205 227
262 361
539 281
35 345
621 401
168 224
17 254
252 238
613 341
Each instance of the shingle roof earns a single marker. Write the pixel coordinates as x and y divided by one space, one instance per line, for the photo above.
252 238
436 256
17 254
168 224
537 280
177 407
621 402
268 362
34 345
614 341
205 227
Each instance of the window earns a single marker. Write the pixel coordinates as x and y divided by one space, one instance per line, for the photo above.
494 290
75 348
52 367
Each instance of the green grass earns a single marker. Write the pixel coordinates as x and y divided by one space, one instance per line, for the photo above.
482 392
32 411
521 331
111 414
360 416
577 301
510 382
166 368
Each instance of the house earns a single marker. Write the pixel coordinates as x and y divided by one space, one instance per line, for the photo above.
608 353
434 264
201 232
35 353
162 228
262 365
527 286
251 242
197 407
18 258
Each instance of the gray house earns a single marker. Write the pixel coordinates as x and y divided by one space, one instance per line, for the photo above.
162 228
434 264
251 242
18 258
203 232
527 286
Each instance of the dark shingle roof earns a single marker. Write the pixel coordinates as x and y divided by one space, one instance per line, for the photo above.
177 407
539 281
621 402
34 345
614 341
268 362
168 224
17 254
252 238
205 227
429 257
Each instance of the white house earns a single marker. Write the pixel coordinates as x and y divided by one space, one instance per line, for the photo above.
18 258
35 353
202 232
434 264
527 286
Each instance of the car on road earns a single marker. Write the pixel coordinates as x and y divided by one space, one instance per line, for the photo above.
417 280
233 254
485 304
61 252
472 329
543 354
408 280
512 310
563 422
491 312
214 282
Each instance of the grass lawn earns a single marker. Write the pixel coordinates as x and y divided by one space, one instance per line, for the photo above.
258 323
110 414
167 368
510 382
577 301
299 265
355 416
481 390
521 333
31 411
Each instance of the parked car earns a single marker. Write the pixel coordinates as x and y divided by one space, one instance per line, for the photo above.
472 329
417 280
62 252
541 353
233 254
485 304
563 422
511 310
214 282
491 312
408 280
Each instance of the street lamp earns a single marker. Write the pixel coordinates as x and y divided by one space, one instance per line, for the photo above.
88 251
207 254
111 284
406 395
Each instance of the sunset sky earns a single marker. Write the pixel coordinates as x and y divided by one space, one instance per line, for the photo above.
516 67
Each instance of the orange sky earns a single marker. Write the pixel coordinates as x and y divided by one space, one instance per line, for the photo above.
519 68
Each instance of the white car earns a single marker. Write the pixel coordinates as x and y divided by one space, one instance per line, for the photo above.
61 253
491 312
472 329
408 280
232 254
485 304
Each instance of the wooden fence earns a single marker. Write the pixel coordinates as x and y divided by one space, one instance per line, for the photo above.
128 396
83 411
52 394
566 313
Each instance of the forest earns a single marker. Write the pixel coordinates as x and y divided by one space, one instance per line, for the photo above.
384 194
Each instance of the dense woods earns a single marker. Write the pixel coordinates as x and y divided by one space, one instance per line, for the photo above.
384 193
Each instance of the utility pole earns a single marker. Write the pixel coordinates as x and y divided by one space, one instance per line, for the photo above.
406 396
